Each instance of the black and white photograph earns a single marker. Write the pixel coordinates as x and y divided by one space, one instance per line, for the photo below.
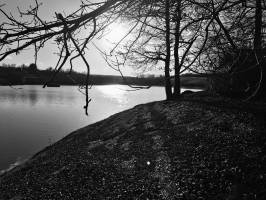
132 99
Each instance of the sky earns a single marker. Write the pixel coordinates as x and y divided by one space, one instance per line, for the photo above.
47 57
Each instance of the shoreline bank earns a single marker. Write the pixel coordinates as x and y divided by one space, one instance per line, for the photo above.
192 148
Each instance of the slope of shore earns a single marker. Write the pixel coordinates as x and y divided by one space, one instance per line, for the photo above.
201 146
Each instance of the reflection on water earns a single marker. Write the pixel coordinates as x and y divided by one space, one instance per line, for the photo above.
32 117
115 93
32 95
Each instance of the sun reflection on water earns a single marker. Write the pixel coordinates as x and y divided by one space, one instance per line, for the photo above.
114 92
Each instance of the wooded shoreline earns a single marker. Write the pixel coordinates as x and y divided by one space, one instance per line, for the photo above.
18 76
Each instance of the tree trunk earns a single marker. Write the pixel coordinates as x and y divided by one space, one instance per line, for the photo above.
168 87
176 51
261 93
258 25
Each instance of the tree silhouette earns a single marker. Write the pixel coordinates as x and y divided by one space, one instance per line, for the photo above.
17 35
235 48
183 32
32 67
168 33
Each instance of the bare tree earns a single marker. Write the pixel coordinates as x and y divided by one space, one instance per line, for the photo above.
184 35
17 35
169 36
235 45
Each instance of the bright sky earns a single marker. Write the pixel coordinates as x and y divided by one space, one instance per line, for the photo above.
46 57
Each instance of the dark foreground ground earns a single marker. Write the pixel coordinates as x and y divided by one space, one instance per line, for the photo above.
199 147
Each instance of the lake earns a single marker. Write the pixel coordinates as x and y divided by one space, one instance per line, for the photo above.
33 118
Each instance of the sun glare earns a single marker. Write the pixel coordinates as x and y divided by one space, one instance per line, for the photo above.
116 32
115 92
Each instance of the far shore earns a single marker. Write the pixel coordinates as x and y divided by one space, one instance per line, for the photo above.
17 76
186 82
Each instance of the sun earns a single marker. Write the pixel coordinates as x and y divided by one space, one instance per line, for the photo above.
116 32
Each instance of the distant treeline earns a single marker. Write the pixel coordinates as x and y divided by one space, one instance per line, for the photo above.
31 76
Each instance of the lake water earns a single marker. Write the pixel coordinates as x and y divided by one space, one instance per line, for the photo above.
32 117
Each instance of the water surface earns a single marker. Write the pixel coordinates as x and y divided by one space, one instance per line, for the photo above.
32 117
